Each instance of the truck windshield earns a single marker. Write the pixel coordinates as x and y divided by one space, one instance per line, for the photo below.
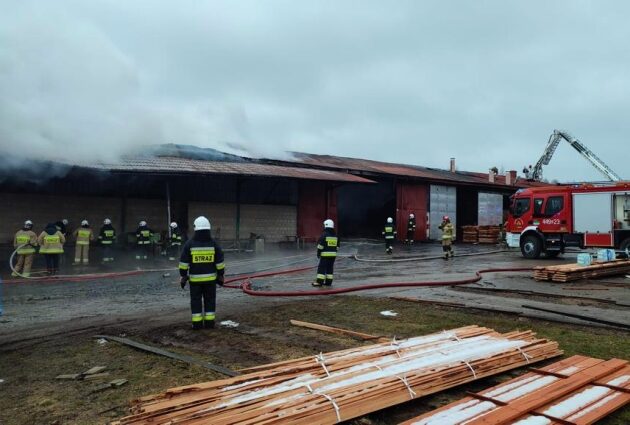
520 206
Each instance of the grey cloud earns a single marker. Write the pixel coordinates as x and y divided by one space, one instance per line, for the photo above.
406 81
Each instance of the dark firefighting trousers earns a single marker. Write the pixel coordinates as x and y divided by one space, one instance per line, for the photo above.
389 243
410 235
325 270
52 262
203 302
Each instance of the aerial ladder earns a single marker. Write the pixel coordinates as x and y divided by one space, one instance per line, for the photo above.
536 174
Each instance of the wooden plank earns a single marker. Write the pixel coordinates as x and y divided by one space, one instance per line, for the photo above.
171 355
339 331
530 402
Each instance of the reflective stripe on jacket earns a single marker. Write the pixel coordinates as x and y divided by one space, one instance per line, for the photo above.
389 231
201 261
83 235
328 244
51 244
25 237
107 235
447 231
143 235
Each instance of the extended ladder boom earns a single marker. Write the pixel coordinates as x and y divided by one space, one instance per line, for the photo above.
552 144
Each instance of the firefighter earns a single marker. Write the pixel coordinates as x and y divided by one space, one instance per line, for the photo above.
327 247
107 238
411 229
389 233
62 226
448 234
51 243
144 237
24 242
201 264
174 242
83 236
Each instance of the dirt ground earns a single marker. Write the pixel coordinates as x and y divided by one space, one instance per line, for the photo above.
47 328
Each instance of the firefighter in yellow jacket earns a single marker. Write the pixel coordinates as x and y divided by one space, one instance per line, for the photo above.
448 234
24 242
51 243
83 236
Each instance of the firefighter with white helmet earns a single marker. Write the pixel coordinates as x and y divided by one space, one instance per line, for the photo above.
448 234
411 229
201 264
327 247
107 238
83 236
389 232
144 241
25 242
174 241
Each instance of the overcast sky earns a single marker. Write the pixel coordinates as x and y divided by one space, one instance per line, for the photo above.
403 81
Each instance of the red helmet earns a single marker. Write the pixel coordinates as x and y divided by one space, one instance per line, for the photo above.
445 218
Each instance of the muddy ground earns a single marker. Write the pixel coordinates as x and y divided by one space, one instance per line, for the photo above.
47 329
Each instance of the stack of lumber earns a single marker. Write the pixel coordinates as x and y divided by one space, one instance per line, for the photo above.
489 234
572 272
334 387
471 234
578 390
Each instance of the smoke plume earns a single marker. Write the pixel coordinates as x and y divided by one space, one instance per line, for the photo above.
69 92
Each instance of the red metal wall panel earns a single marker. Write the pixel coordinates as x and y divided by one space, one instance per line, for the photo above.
317 202
411 198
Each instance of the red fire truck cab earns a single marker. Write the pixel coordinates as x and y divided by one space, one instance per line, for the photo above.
546 220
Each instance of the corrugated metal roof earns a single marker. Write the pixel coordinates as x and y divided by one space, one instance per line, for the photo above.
169 165
405 170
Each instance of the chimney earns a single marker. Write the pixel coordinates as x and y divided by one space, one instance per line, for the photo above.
452 168
510 178
491 175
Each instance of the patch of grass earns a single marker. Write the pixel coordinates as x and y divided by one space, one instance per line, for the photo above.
30 394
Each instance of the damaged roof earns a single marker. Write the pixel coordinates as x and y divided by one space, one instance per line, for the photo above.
368 167
171 165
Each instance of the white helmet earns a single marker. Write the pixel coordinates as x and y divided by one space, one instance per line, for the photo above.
173 225
28 224
329 224
202 223
107 221
85 223
390 220
412 215
142 223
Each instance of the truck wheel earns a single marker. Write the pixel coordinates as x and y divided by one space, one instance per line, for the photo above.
625 244
531 246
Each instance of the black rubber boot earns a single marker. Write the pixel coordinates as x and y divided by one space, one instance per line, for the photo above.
197 325
208 324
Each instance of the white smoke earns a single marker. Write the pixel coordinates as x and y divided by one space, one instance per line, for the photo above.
68 91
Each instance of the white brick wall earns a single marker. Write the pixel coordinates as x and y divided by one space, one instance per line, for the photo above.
44 209
275 222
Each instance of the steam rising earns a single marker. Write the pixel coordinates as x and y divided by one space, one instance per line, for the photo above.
69 92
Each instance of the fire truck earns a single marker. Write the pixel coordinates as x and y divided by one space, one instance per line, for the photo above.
546 220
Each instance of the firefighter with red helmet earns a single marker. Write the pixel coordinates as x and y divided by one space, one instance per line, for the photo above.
448 234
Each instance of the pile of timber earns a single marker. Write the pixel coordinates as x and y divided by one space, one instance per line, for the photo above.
572 272
338 386
578 390
471 234
489 234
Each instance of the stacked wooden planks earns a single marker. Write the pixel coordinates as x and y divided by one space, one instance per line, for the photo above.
578 390
471 234
337 386
489 234
572 272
